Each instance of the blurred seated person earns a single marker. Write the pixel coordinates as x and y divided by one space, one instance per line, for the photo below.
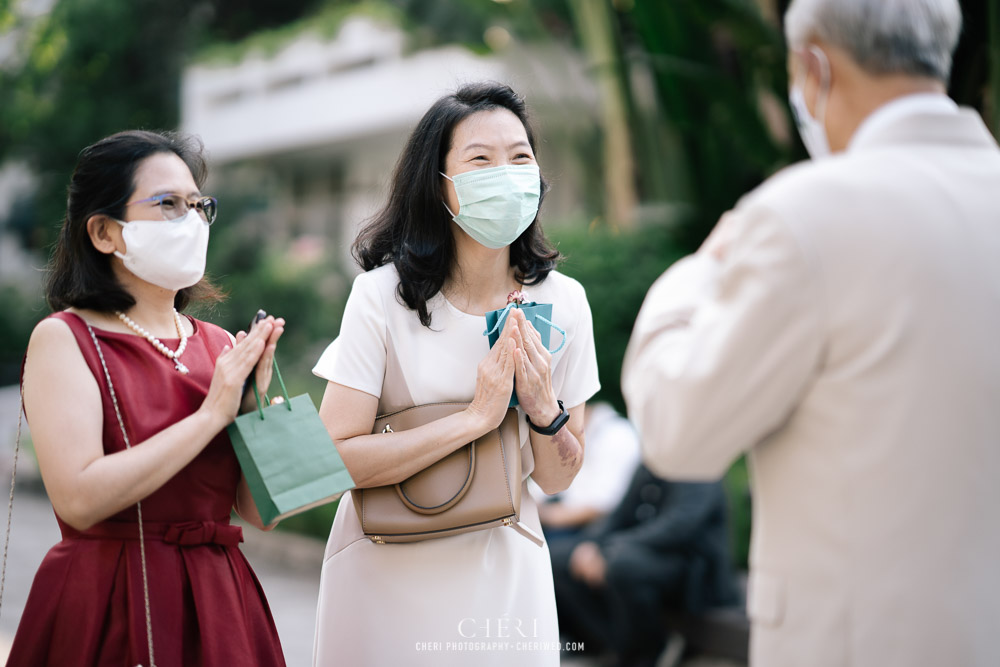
665 546
611 456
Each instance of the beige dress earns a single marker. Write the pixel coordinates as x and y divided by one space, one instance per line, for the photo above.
481 598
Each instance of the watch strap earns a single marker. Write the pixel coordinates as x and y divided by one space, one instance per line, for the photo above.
556 424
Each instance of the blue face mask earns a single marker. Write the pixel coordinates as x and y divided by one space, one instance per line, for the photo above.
497 204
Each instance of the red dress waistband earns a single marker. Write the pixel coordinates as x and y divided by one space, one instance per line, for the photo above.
185 534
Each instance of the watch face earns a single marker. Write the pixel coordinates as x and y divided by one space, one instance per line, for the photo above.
559 422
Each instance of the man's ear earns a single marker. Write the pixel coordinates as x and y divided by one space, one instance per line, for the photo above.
98 229
820 68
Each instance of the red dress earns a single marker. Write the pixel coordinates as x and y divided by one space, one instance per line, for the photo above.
86 602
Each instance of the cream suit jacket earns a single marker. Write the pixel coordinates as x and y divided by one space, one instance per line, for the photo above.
850 342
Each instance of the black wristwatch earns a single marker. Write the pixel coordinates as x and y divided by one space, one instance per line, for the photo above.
556 424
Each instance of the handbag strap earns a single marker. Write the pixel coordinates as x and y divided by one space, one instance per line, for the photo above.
10 502
519 527
138 505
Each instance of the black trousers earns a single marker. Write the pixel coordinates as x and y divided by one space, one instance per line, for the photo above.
625 616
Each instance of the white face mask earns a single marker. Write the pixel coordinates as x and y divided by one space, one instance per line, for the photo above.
812 130
167 253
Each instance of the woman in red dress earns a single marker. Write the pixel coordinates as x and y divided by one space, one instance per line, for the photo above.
130 255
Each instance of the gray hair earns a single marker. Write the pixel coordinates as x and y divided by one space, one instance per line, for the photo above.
915 37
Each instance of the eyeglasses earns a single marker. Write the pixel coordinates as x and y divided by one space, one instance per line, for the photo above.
175 207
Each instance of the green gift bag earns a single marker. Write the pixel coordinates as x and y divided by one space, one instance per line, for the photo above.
540 317
289 461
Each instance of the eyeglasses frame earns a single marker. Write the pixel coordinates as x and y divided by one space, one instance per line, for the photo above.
201 200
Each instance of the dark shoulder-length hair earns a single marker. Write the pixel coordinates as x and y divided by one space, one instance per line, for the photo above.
413 230
104 179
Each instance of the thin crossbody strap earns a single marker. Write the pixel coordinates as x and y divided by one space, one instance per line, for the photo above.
10 502
138 505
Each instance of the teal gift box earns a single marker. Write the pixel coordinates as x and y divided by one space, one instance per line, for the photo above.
540 317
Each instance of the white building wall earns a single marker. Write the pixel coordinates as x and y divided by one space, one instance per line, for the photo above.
321 123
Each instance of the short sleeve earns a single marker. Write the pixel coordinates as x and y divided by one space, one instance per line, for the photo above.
356 358
326 365
574 375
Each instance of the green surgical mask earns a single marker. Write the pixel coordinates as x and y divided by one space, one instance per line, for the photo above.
497 204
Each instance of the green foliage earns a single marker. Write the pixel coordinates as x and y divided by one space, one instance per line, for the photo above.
21 312
315 522
309 293
91 68
737 486
325 24
433 22
428 22
616 269
233 20
712 61
975 79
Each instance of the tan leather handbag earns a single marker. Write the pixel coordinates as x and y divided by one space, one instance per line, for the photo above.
475 487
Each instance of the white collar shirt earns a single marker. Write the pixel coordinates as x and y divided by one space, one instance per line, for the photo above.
899 108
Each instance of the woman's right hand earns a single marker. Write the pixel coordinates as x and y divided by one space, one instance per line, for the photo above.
231 369
495 380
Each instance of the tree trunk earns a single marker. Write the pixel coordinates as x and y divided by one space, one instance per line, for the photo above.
596 25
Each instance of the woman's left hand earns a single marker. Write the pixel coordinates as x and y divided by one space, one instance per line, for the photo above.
533 373
265 365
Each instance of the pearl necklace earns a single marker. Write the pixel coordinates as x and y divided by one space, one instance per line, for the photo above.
155 342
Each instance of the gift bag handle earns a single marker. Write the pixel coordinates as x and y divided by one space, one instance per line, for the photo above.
284 392
561 331
500 319
503 315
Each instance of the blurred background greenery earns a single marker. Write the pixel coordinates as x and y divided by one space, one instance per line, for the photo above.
689 114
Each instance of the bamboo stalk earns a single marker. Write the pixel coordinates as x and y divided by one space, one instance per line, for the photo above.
595 23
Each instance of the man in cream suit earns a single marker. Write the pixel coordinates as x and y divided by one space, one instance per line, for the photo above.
842 325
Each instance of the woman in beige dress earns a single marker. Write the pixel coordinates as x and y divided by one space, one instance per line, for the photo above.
458 234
